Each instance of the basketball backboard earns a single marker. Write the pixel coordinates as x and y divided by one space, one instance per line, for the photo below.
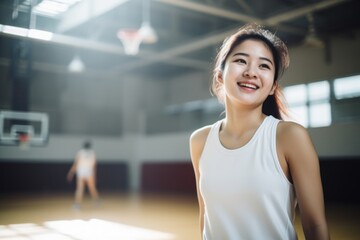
30 128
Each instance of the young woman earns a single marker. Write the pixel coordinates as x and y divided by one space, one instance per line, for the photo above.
85 168
252 168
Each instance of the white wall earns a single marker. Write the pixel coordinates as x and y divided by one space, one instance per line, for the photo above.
309 64
189 87
339 140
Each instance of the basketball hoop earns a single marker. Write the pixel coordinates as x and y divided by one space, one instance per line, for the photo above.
148 33
131 40
24 141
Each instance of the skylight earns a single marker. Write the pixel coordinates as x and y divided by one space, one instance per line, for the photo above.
53 8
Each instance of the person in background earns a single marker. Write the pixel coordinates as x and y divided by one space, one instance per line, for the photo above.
85 168
252 168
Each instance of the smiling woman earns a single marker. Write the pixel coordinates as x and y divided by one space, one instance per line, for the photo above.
279 60
252 168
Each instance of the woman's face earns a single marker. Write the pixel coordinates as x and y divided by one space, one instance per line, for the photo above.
248 75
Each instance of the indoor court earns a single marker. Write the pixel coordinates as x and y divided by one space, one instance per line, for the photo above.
125 83
129 217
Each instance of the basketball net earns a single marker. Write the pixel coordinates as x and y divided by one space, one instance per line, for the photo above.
131 40
24 141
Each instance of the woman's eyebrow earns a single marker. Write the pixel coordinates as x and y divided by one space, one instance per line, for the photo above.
247 55
241 54
266 59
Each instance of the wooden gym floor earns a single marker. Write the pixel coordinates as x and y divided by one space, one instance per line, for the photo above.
128 217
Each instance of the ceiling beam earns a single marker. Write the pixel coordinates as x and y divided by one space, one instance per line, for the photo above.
227 14
292 14
119 50
168 55
84 11
217 38
214 11
101 47
245 6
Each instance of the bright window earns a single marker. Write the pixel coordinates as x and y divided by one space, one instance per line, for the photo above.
347 87
309 104
296 95
319 91
300 115
320 115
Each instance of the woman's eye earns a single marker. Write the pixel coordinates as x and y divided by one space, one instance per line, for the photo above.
265 66
240 61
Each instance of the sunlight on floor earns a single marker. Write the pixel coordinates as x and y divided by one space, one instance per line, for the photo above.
92 229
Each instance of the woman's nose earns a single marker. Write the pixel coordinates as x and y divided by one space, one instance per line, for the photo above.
250 72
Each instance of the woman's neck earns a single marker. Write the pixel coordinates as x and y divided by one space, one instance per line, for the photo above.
239 121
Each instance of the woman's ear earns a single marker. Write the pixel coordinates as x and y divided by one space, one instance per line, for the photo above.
220 77
273 88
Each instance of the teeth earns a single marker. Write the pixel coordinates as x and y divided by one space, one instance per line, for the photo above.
248 85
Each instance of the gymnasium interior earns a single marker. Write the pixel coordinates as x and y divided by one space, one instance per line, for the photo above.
133 77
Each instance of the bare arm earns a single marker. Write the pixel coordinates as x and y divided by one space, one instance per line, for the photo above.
197 142
95 167
303 164
72 171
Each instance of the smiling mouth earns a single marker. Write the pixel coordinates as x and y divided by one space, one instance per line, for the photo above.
248 85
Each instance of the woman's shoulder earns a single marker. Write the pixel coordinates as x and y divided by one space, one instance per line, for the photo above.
289 129
197 143
290 133
200 135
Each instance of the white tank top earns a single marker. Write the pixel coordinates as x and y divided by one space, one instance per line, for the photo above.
245 191
86 162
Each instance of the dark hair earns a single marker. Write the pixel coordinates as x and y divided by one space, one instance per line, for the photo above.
274 104
87 144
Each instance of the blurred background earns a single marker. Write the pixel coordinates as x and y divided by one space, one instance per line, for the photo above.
133 76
